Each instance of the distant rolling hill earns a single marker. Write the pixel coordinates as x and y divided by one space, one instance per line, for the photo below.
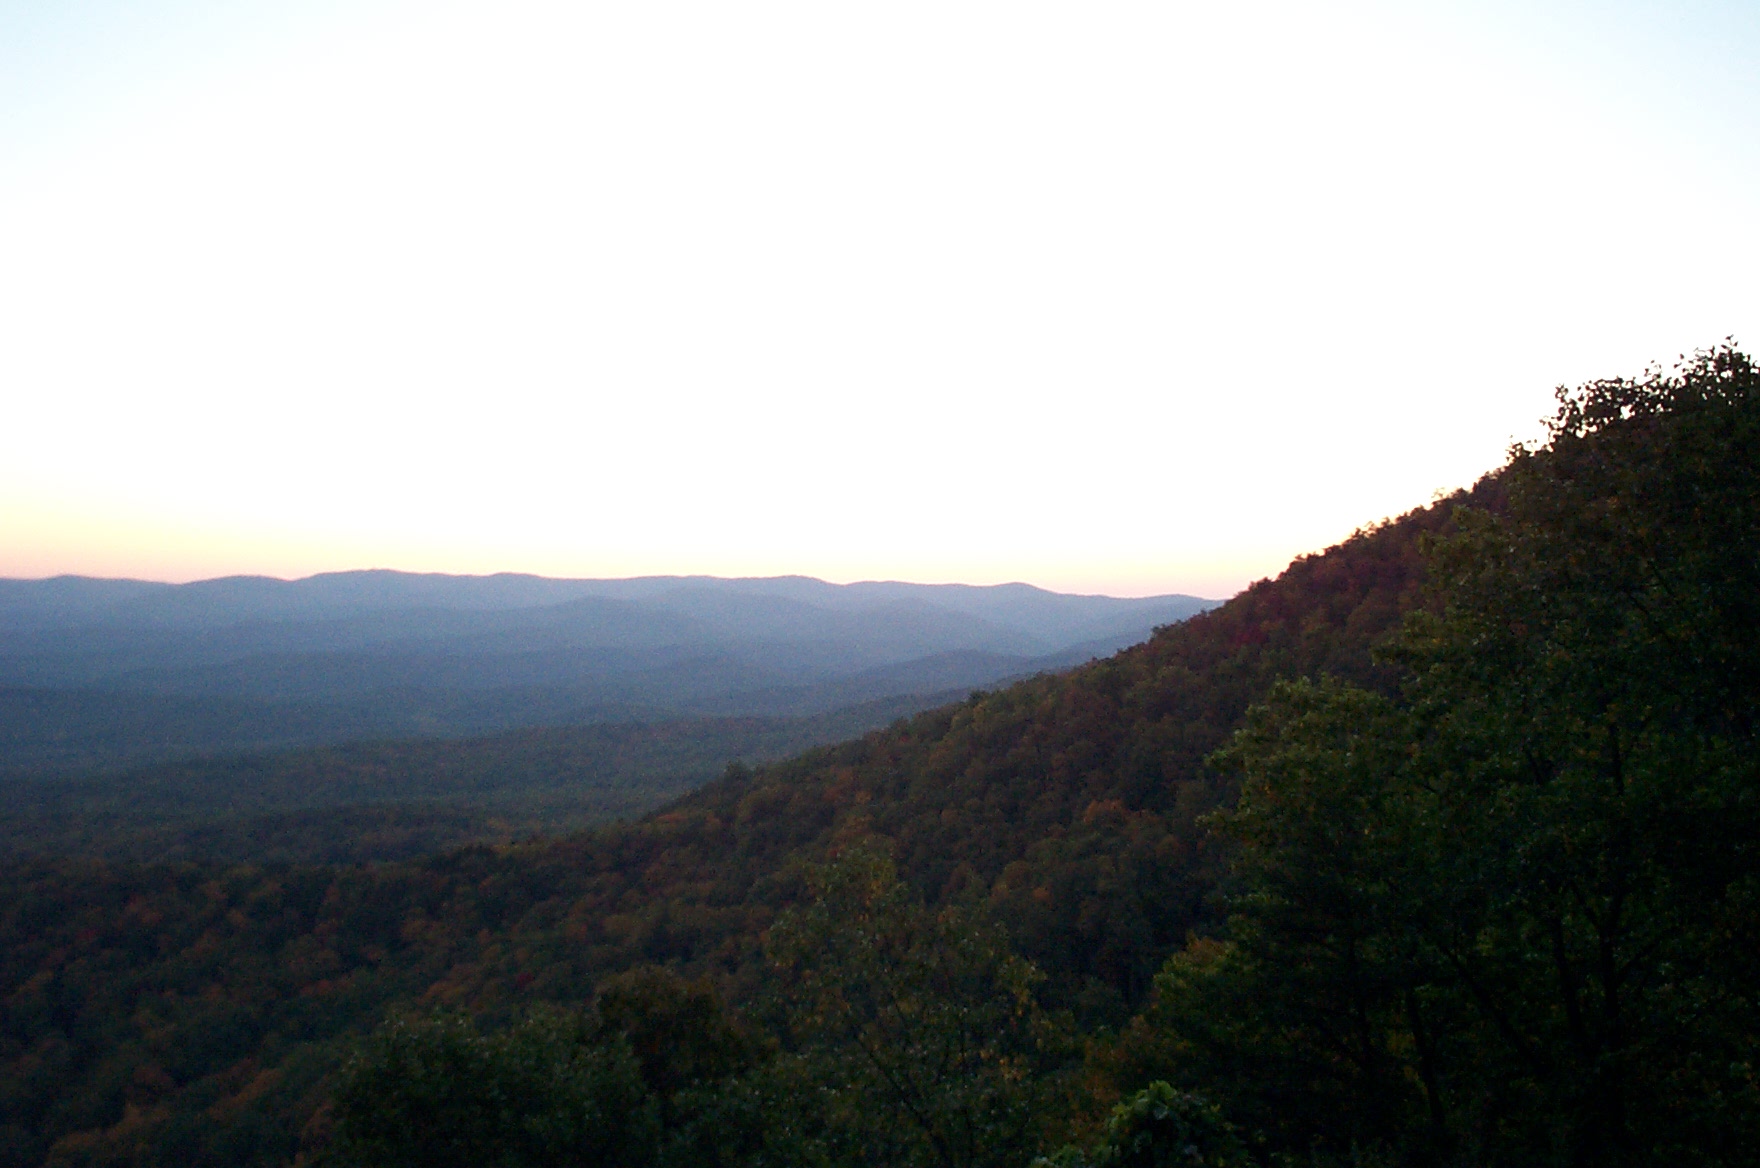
105 673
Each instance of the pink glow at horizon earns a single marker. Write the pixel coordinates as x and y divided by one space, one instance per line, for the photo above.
1133 299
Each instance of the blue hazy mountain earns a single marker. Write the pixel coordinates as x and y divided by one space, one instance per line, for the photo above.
98 672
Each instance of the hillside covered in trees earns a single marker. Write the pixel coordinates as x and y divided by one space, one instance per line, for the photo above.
1437 849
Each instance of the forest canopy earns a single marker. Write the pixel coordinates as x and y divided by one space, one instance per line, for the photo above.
1509 916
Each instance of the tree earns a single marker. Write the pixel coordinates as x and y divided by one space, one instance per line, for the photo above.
1589 697
914 1035
679 1031
1511 918
1316 1021
1159 1127
697 1060
436 1093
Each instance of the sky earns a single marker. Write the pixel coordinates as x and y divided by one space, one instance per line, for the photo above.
1129 298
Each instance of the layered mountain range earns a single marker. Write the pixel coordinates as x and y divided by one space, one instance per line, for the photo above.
102 672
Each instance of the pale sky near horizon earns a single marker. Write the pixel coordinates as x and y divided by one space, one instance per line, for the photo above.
1117 297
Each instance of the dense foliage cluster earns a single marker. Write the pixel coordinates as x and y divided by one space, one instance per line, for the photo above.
1511 917
1437 850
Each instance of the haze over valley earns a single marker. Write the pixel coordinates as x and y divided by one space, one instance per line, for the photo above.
102 672
380 715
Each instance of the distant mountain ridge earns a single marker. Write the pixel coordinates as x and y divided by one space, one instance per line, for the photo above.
246 662
73 601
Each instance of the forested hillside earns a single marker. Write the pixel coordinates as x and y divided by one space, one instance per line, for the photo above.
1436 850
1068 802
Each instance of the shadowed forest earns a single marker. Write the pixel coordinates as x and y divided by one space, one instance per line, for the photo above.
1438 849
367 801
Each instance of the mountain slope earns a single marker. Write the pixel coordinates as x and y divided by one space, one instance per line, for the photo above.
1068 802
